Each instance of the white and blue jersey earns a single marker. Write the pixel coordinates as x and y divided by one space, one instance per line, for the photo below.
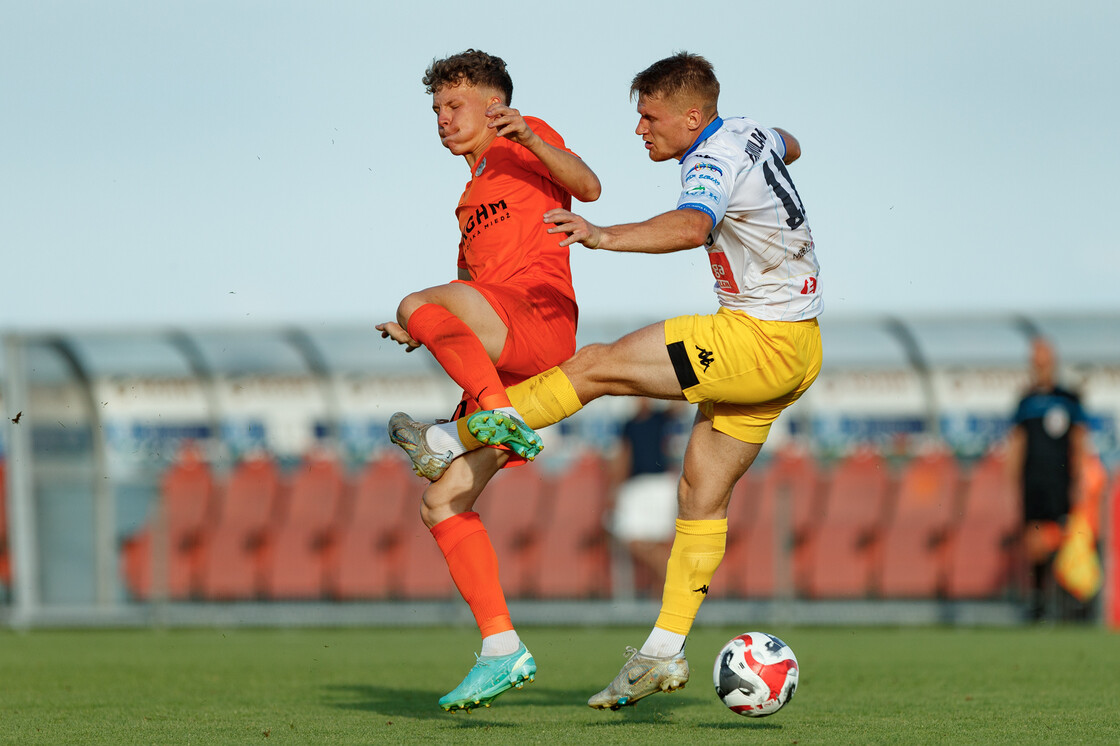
760 247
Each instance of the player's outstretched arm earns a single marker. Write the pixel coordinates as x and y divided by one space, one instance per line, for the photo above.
671 231
793 147
568 170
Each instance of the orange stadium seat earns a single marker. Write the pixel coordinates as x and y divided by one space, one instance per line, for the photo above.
420 569
841 556
912 556
982 548
793 477
575 561
511 508
366 555
738 559
232 556
186 506
298 541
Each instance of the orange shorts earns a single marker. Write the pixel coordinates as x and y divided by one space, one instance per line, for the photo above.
541 323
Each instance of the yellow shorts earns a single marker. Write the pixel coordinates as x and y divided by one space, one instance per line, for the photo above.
742 371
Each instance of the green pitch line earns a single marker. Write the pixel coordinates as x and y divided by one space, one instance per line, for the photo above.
348 686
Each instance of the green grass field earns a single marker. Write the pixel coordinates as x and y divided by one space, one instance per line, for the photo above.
328 686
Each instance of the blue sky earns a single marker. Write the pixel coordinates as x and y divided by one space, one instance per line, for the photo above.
259 162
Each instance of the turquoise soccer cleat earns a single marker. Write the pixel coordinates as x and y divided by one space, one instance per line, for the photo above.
490 677
495 428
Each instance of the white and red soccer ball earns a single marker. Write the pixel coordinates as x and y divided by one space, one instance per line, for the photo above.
755 674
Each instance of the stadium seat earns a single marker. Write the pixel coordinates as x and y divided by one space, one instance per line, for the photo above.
511 508
420 569
792 482
422 572
981 551
737 556
233 554
841 557
912 556
186 502
367 554
303 532
575 561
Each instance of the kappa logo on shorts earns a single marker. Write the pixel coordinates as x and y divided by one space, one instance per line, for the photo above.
705 357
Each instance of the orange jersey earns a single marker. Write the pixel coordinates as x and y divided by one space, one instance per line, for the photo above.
504 237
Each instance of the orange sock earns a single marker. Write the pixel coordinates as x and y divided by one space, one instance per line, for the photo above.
460 352
474 567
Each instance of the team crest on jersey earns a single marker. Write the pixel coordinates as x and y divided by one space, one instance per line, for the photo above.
481 165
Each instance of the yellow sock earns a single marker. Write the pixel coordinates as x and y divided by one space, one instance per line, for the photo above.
697 551
542 400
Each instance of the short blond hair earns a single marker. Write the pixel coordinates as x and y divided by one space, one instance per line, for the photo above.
684 74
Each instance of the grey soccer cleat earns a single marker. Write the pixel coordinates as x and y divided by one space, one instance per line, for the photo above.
640 677
410 435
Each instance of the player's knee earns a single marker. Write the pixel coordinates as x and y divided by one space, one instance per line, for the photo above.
700 501
586 365
435 506
408 306
455 492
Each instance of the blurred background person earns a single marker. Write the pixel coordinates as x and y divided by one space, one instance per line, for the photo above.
646 470
1047 448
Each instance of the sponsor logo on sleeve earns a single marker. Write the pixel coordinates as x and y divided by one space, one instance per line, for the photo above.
701 191
706 167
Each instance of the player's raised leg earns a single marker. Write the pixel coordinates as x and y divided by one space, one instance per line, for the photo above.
638 364
464 333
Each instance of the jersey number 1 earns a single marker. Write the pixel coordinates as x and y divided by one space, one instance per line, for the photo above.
789 197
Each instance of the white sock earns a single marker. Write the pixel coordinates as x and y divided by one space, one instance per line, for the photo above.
444 437
662 643
503 643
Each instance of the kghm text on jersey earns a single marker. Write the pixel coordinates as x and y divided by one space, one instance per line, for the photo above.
486 214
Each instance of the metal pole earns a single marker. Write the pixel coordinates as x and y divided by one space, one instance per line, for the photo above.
23 533
104 505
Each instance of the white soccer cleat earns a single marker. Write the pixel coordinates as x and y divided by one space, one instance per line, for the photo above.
640 677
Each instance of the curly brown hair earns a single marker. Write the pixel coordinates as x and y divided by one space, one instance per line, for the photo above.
472 67
682 73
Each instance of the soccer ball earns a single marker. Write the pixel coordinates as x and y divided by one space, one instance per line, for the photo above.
755 674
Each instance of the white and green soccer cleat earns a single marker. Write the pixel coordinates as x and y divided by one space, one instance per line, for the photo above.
496 428
490 677
640 677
